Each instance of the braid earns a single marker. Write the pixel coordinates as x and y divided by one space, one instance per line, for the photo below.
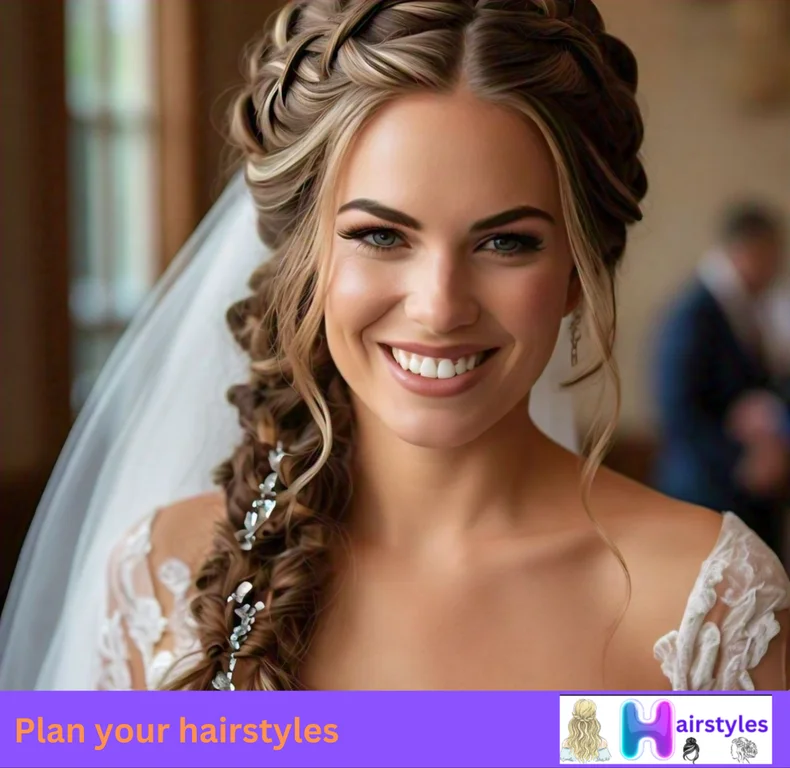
288 562
357 19
322 70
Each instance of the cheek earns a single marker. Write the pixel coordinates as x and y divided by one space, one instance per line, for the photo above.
531 305
357 295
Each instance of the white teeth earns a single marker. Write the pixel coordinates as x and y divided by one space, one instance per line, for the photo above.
445 369
435 368
428 368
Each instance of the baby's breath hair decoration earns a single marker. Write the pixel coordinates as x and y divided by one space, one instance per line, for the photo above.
263 506
244 614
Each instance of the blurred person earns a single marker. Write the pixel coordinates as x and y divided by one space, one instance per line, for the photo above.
776 321
725 426
390 514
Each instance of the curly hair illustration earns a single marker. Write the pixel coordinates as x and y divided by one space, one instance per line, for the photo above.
742 749
584 731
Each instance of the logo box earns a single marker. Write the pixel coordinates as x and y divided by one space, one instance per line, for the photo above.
668 729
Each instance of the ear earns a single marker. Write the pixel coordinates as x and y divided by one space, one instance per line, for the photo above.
574 295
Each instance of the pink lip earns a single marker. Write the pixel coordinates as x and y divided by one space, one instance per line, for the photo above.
419 385
439 353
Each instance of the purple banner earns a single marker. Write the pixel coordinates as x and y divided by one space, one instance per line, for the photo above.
387 729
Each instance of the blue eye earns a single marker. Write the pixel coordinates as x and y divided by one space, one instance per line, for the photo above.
506 244
514 244
381 238
375 239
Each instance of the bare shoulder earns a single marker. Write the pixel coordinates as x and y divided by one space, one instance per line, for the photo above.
664 543
604 744
185 530
652 525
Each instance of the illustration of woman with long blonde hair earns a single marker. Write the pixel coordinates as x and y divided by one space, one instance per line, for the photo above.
584 743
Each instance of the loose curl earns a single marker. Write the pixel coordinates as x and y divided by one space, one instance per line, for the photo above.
584 732
322 71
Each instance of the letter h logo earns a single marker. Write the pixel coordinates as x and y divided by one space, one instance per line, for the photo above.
635 728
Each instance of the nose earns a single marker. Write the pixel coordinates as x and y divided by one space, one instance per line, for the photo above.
441 295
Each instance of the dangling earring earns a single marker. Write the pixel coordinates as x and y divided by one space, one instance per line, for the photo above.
576 334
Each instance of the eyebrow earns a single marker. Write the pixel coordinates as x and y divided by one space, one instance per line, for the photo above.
399 217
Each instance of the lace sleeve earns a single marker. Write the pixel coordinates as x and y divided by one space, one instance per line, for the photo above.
731 617
147 628
130 593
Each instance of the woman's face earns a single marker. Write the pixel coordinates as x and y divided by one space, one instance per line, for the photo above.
450 269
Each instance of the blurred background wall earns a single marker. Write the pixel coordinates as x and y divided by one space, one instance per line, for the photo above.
112 149
714 88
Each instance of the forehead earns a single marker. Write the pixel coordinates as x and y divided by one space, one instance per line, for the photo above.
451 156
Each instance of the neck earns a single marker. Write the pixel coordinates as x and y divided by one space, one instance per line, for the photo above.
406 495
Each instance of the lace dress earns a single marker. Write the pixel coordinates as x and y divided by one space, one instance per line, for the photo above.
741 583
163 632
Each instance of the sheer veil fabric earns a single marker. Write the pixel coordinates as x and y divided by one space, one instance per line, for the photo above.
153 429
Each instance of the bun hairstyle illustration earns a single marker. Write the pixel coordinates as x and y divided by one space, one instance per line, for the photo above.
691 750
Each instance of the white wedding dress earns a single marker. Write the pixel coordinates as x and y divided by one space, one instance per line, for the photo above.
742 576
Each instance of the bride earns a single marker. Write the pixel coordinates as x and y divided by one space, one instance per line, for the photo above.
444 190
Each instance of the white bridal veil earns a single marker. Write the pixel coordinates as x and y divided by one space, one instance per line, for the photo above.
153 429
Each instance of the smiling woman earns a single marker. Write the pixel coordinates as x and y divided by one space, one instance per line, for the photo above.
440 184
469 286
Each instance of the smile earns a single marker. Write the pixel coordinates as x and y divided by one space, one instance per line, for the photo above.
437 368
439 375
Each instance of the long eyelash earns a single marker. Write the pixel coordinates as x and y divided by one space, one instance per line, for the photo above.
527 242
362 232
353 234
530 243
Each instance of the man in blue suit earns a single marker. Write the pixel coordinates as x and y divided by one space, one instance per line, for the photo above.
725 428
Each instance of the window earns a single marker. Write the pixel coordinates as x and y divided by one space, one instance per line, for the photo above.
111 99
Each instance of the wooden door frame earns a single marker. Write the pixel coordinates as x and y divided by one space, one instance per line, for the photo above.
34 235
179 114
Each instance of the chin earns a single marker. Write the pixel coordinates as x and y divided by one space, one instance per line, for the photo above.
437 430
